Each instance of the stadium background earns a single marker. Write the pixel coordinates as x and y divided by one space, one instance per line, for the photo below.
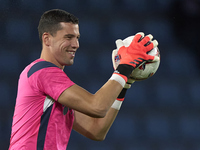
161 113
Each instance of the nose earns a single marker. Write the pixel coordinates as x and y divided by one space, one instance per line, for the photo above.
75 43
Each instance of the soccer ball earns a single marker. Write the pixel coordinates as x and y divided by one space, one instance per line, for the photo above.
145 70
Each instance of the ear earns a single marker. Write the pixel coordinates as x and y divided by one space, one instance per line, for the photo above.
46 38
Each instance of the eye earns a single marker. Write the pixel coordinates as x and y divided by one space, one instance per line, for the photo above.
68 36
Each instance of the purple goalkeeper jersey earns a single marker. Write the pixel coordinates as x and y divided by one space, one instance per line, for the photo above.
39 121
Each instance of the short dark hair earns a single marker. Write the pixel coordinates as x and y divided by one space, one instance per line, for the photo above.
50 21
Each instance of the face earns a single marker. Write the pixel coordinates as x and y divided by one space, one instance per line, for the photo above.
64 44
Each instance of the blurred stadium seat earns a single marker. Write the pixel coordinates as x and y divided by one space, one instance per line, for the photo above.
32 5
161 29
168 94
189 126
67 5
193 90
90 31
120 29
9 62
18 30
103 5
125 128
4 5
135 6
157 126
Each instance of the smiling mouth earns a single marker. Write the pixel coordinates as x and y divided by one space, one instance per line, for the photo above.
72 53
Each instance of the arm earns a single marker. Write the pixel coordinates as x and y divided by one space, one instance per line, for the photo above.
94 105
94 128
97 128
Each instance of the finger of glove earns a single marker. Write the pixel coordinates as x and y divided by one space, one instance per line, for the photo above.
119 43
150 58
150 36
146 39
150 46
155 43
138 36
156 58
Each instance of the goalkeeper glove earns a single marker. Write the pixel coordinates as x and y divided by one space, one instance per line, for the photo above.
135 54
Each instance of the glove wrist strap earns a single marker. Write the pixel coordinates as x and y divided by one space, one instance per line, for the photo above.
121 96
117 104
124 69
119 78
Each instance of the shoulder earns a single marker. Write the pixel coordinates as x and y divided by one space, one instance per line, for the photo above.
39 66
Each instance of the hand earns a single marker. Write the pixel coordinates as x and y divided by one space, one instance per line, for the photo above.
136 52
126 43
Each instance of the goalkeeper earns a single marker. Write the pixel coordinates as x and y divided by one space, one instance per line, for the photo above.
49 105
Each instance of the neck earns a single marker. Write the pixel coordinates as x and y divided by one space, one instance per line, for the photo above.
47 57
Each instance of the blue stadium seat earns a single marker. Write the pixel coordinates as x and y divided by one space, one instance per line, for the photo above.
100 147
81 64
4 94
160 28
74 146
69 6
9 62
102 5
173 146
197 146
4 5
136 146
157 126
120 29
90 31
168 93
137 96
33 5
104 61
163 5
193 91
125 128
140 6
189 126
176 57
18 30
34 54
1 129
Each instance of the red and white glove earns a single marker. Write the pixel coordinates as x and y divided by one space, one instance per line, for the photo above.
132 52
